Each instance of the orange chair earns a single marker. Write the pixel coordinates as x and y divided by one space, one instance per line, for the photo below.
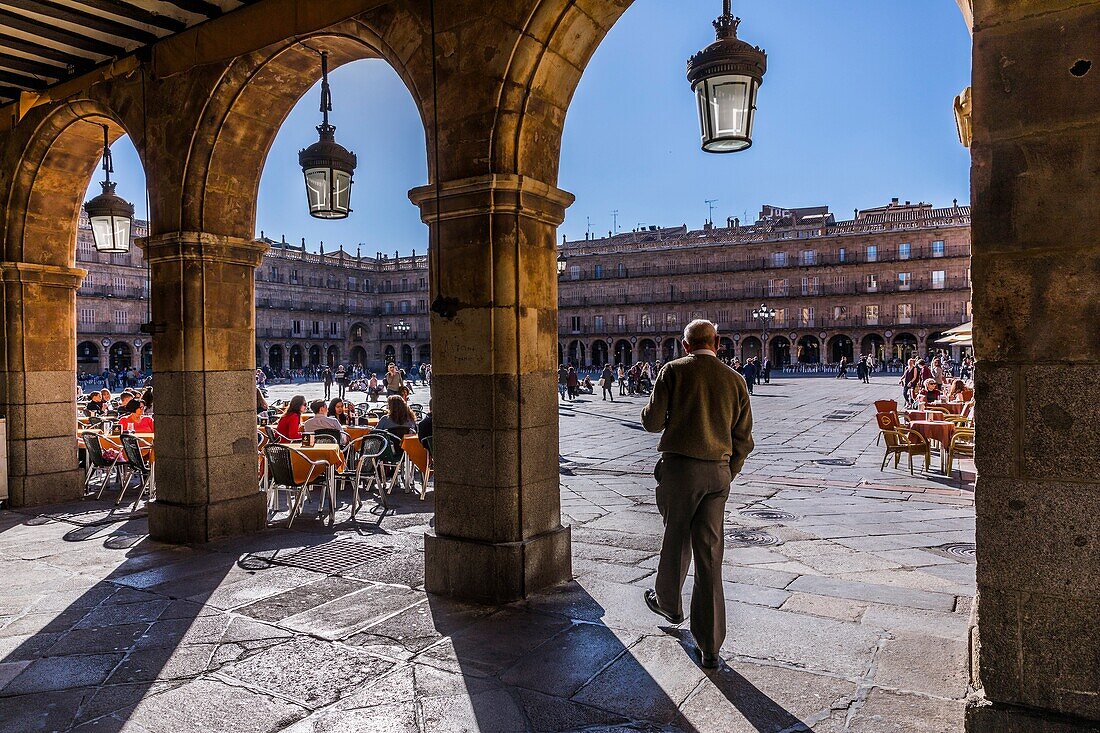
902 440
418 456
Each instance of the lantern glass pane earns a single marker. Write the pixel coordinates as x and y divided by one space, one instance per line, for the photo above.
318 190
111 233
730 106
701 98
341 191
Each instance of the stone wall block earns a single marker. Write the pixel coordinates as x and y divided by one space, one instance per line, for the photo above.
1060 422
180 436
999 650
1056 526
997 432
182 479
1061 669
51 386
478 456
57 487
538 447
231 433
46 420
51 455
502 400
234 475
477 513
541 504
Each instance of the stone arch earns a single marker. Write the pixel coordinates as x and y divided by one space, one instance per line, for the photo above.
874 345
315 356
425 353
120 356
358 332
406 355
905 346
840 346
275 357
147 358
359 356
87 357
671 349
750 347
296 357
624 354
247 108
779 348
808 350
576 353
647 350
333 356
599 352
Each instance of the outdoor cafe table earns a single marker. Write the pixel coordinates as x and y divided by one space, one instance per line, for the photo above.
113 442
953 408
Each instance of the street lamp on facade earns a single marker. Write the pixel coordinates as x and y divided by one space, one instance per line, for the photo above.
401 329
764 314
561 264
111 216
327 165
725 77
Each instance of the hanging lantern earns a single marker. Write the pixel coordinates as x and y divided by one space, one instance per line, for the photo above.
327 165
111 216
725 77
561 264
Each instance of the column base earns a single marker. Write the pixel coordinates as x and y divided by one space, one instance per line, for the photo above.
497 573
43 489
182 524
986 716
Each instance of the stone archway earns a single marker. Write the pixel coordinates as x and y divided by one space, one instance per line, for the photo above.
623 353
808 350
87 357
275 358
671 349
296 357
406 356
599 352
874 345
576 353
779 348
315 356
905 346
751 347
647 350
841 347
332 358
120 356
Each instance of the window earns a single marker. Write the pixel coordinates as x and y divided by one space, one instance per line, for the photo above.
806 316
85 246
332 329
811 286
574 272
597 323
121 318
937 248
872 253
87 315
870 315
780 317
905 313
297 326
645 321
905 280
598 272
423 283
777 288
938 279
388 286
403 306
840 313
405 284
779 259
809 257
939 309
903 250
422 306
316 328
622 270
387 307
575 324
620 322
670 321
842 255
294 276
870 283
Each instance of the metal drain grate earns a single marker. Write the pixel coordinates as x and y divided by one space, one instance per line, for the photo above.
752 538
765 513
963 550
835 462
841 415
332 557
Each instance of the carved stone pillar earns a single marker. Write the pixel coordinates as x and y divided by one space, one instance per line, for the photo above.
204 351
38 381
498 534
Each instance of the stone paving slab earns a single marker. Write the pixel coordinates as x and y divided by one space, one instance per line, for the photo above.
850 620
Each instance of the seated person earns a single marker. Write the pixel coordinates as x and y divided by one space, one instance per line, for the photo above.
930 393
587 385
424 429
339 410
289 427
398 419
959 392
323 421
136 421
95 406
126 402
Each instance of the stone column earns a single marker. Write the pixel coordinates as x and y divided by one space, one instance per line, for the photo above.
203 309
1036 154
498 534
38 382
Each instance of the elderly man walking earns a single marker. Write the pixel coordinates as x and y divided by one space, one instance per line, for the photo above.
702 406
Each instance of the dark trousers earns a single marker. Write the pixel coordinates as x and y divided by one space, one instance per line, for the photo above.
691 495
328 390
607 392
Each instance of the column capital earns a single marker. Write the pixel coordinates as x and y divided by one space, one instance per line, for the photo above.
51 276
202 247
493 194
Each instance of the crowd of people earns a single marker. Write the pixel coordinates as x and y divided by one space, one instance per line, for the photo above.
929 380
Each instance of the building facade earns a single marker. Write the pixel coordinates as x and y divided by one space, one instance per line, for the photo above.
888 282
312 309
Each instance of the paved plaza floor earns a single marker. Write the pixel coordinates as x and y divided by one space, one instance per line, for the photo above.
848 593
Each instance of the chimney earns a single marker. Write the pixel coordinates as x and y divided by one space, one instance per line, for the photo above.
322 246
284 239
261 234
894 201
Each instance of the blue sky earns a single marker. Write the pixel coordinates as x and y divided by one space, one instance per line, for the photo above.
855 109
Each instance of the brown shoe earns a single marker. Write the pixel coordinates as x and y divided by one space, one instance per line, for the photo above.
651 601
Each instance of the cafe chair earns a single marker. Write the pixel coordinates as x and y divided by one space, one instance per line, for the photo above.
901 440
416 453
280 469
373 449
392 462
133 448
961 446
98 464
326 437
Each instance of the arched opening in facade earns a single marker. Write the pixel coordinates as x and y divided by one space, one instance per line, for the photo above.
623 352
576 353
780 351
315 356
147 358
390 354
931 347
406 355
726 348
671 349
275 358
599 353
561 354
121 356
359 355
647 350
333 356
841 347
295 357
808 350
873 345
905 346
750 347
425 354
358 333
87 357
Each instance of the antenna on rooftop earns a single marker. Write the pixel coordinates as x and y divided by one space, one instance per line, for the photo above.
615 220
710 211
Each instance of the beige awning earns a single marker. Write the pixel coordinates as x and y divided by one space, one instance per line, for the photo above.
964 329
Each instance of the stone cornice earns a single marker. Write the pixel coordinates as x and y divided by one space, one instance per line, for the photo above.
48 275
202 247
493 194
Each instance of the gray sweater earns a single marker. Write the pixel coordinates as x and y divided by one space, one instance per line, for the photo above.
702 406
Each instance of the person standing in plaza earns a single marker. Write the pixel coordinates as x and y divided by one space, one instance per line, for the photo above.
341 378
749 372
326 379
606 380
842 370
766 370
394 381
622 380
571 383
563 379
702 407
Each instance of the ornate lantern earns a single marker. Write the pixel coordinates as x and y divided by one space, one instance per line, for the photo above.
327 165
725 77
561 264
111 216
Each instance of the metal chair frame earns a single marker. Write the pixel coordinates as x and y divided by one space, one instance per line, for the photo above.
135 464
281 473
97 463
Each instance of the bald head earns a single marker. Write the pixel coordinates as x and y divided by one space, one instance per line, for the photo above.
700 334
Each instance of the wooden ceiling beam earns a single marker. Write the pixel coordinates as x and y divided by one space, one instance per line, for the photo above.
136 13
198 7
30 66
91 21
29 47
57 35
